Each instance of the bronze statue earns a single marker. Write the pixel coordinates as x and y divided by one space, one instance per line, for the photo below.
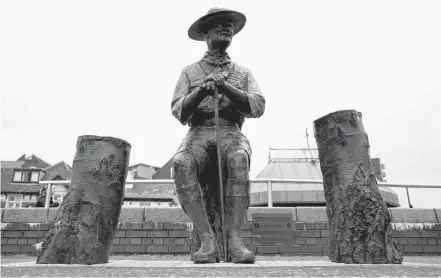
215 76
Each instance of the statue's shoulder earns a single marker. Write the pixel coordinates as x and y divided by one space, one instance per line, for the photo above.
241 69
194 71
191 66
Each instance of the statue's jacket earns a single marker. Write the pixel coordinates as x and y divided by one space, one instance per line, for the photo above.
193 76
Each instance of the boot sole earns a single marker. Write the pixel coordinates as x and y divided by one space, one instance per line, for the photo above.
209 260
246 260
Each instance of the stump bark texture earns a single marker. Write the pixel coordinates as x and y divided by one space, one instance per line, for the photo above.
358 216
86 222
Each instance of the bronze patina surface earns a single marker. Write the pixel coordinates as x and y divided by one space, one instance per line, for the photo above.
360 222
195 162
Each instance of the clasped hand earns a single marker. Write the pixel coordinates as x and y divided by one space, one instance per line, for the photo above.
211 83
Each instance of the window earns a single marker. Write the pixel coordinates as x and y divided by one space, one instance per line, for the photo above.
26 176
171 173
17 176
14 201
34 176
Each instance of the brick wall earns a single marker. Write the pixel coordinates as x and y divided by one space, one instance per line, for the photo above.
168 231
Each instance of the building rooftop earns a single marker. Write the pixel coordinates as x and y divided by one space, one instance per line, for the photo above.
143 164
31 160
290 163
292 155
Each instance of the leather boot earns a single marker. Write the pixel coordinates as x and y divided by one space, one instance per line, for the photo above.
237 207
192 202
209 251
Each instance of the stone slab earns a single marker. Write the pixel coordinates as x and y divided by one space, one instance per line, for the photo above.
52 213
438 214
270 210
165 215
25 215
408 215
312 214
131 215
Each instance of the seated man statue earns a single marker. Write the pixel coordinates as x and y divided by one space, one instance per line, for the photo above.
216 76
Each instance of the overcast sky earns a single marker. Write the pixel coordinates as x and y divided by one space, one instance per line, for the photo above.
71 68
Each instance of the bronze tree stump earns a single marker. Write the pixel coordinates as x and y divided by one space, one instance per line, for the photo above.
358 216
86 222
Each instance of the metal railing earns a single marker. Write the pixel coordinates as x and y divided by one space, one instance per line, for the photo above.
269 183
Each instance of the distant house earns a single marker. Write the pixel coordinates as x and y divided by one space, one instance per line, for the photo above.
142 171
32 161
20 180
152 195
148 195
19 186
58 171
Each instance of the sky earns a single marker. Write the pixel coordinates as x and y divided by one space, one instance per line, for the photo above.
109 68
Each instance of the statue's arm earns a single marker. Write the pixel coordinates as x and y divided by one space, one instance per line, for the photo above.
184 102
250 102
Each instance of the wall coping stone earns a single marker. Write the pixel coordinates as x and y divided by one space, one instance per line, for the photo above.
416 215
438 214
25 215
165 215
300 214
51 215
131 215
312 214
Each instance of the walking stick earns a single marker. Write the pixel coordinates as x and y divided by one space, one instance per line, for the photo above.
216 99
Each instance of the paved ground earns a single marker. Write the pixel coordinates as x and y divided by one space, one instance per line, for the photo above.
181 266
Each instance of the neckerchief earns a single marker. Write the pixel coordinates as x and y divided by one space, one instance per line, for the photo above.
216 62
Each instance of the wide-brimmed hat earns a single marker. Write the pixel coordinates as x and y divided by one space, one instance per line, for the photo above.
199 26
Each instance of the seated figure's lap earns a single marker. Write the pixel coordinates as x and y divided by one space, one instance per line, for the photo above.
200 142
188 168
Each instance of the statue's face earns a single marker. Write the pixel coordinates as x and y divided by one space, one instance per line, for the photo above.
220 35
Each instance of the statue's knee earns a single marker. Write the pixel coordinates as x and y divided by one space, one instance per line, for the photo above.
237 159
185 169
238 170
184 162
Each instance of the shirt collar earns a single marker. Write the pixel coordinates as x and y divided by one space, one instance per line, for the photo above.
216 62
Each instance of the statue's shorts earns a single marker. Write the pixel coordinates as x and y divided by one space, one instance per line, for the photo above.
200 141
